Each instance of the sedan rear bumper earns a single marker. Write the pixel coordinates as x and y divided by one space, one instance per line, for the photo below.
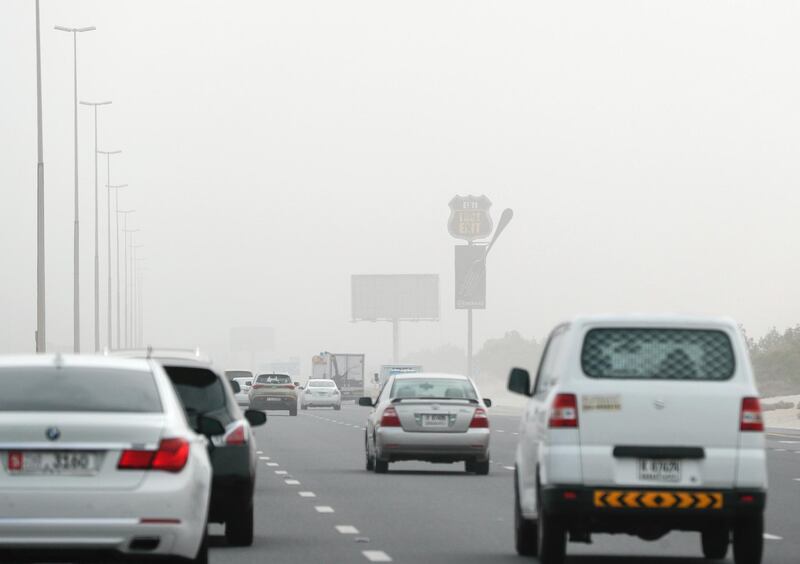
394 444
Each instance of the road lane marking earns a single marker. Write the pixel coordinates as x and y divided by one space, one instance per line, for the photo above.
347 529
306 494
376 556
263 457
768 536
780 450
281 472
324 509
500 431
259 452
508 467
292 482
789 442
272 464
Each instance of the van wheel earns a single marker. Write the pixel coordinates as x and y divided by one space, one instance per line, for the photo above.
525 533
748 539
715 543
552 536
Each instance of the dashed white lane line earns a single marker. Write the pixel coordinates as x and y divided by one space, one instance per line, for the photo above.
789 442
263 457
281 472
347 529
259 452
508 467
324 509
272 464
768 536
376 556
292 482
780 450
500 431
306 494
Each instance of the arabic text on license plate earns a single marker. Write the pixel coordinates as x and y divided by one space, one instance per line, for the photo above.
434 420
66 463
659 470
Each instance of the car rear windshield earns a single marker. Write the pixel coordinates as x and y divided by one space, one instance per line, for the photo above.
200 389
321 384
274 379
658 354
234 374
430 388
92 389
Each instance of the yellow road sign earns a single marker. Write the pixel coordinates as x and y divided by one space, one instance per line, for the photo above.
655 499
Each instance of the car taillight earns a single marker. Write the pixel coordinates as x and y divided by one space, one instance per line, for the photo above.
751 419
288 386
564 411
257 386
236 436
171 456
390 418
479 419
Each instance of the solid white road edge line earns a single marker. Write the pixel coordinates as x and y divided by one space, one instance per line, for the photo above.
376 556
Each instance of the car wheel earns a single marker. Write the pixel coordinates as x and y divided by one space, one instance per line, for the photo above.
526 535
337 407
303 406
715 542
293 411
370 460
551 536
382 466
748 539
481 468
239 528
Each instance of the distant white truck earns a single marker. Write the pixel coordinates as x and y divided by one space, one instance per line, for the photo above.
346 369
388 370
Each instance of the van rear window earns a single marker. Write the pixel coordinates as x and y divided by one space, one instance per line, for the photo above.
658 354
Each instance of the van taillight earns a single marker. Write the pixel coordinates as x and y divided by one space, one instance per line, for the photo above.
751 419
479 419
171 456
564 412
390 418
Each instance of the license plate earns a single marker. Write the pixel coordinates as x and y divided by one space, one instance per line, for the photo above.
434 420
659 470
62 463
274 399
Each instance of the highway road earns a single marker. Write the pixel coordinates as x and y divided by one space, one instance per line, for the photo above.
315 502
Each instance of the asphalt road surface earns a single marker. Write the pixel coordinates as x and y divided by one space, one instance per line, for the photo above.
315 502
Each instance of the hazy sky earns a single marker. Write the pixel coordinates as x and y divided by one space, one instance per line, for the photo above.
648 149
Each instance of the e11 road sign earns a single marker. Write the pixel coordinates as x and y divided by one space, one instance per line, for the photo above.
469 217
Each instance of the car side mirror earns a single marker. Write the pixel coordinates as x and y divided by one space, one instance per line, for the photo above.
519 381
209 427
236 387
255 418
297 384
487 402
365 402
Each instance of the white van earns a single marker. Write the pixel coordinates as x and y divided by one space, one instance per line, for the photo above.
641 425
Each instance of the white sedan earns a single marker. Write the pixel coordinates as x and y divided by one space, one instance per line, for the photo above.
321 393
97 457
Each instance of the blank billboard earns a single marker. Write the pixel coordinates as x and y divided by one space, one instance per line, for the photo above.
380 297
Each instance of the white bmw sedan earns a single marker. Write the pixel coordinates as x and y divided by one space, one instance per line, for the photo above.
96 457
428 417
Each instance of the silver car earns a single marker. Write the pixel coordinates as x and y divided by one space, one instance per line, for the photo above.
429 417
321 393
243 395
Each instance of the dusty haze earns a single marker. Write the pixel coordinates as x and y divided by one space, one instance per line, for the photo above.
649 151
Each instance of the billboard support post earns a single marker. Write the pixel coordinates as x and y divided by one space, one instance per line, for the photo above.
395 340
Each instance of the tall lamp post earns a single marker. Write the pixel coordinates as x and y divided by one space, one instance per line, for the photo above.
128 284
124 214
108 228
41 337
96 232
134 300
76 238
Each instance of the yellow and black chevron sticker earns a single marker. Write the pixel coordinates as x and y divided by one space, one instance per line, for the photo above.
627 499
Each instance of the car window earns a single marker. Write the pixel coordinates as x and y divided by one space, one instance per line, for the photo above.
234 374
658 354
440 388
321 384
78 389
274 379
547 376
199 389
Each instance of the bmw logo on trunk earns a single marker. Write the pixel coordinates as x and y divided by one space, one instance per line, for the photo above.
53 433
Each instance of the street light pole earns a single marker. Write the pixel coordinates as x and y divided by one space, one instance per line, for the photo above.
128 284
96 233
108 229
41 337
76 238
119 305
134 259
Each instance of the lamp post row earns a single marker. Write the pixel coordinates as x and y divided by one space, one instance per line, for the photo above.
40 335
